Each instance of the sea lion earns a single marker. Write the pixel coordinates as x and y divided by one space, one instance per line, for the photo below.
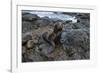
54 37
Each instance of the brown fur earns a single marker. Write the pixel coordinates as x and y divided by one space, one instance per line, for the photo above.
54 36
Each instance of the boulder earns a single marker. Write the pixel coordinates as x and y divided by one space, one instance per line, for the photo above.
29 17
27 26
83 16
26 37
45 49
31 56
43 22
30 44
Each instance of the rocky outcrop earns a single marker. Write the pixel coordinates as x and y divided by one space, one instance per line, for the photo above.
72 42
77 41
29 17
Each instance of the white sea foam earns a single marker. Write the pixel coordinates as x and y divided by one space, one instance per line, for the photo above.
53 15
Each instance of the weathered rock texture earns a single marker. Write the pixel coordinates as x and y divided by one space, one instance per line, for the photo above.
42 40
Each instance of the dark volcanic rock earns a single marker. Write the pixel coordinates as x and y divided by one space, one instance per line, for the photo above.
30 44
27 26
25 13
81 24
45 49
71 43
71 14
24 49
44 22
76 39
29 17
31 56
26 37
83 16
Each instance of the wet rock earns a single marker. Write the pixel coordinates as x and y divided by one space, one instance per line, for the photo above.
83 16
24 58
76 39
68 26
82 24
75 56
83 21
43 22
87 55
61 56
31 56
68 21
58 54
71 14
45 49
29 17
24 49
27 26
30 44
26 37
34 56
25 13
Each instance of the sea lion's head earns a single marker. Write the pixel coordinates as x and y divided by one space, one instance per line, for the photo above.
58 27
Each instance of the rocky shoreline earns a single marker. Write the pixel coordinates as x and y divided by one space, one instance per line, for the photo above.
47 39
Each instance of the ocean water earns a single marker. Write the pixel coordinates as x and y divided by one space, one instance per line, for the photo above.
57 15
